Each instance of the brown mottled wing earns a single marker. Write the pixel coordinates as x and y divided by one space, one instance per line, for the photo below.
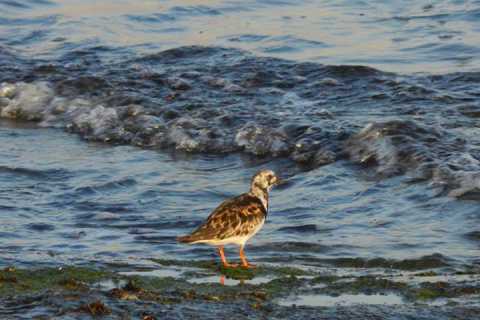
234 217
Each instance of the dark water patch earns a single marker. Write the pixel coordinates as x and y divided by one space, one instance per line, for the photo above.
194 10
105 207
354 72
472 111
248 38
279 49
294 41
47 174
173 30
156 239
74 235
182 53
471 194
24 4
109 238
417 17
292 246
154 18
474 235
106 254
41 2
278 2
34 36
81 85
167 225
38 21
15 306
131 223
110 186
40 227
105 216
7 235
14 4
307 228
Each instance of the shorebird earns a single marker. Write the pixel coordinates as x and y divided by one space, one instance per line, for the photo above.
237 219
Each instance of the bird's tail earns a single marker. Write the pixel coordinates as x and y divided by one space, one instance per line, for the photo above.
185 239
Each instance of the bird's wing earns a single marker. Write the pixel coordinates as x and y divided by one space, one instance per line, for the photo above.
238 216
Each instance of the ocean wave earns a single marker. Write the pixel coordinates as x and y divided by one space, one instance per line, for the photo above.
216 100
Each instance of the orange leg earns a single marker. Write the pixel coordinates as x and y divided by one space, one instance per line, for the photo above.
245 263
224 259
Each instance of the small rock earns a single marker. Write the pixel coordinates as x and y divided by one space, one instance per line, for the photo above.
95 308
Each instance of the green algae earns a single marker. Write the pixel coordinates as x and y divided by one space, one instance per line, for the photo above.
135 283
258 292
426 262
290 271
375 283
240 273
282 286
13 281
428 294
281 283
325 279
237 273
441 289
426 274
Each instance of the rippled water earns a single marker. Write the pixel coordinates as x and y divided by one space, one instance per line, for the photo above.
379 162
406 36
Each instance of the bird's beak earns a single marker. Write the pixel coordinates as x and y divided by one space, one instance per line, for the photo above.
278 181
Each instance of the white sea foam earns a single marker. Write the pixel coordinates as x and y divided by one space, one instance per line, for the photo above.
397 147
260 140
389 148
25 101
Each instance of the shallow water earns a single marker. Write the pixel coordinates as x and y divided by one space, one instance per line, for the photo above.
377 164
343 300
95 202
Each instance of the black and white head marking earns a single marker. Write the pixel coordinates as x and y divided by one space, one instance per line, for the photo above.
262 182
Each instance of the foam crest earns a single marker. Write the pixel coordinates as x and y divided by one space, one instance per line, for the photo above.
424 153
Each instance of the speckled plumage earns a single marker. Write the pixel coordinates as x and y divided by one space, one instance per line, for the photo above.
237 219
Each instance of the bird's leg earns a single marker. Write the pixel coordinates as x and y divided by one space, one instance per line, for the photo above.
245 263
224 259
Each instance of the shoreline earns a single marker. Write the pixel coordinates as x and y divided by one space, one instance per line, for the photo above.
182 290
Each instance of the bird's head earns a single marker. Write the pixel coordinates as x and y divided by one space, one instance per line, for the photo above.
264 180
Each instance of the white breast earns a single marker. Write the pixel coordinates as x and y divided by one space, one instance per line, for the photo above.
264 202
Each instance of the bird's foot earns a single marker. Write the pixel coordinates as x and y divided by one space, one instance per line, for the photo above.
230 265
249 266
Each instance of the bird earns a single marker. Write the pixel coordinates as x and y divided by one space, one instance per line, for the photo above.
237 219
